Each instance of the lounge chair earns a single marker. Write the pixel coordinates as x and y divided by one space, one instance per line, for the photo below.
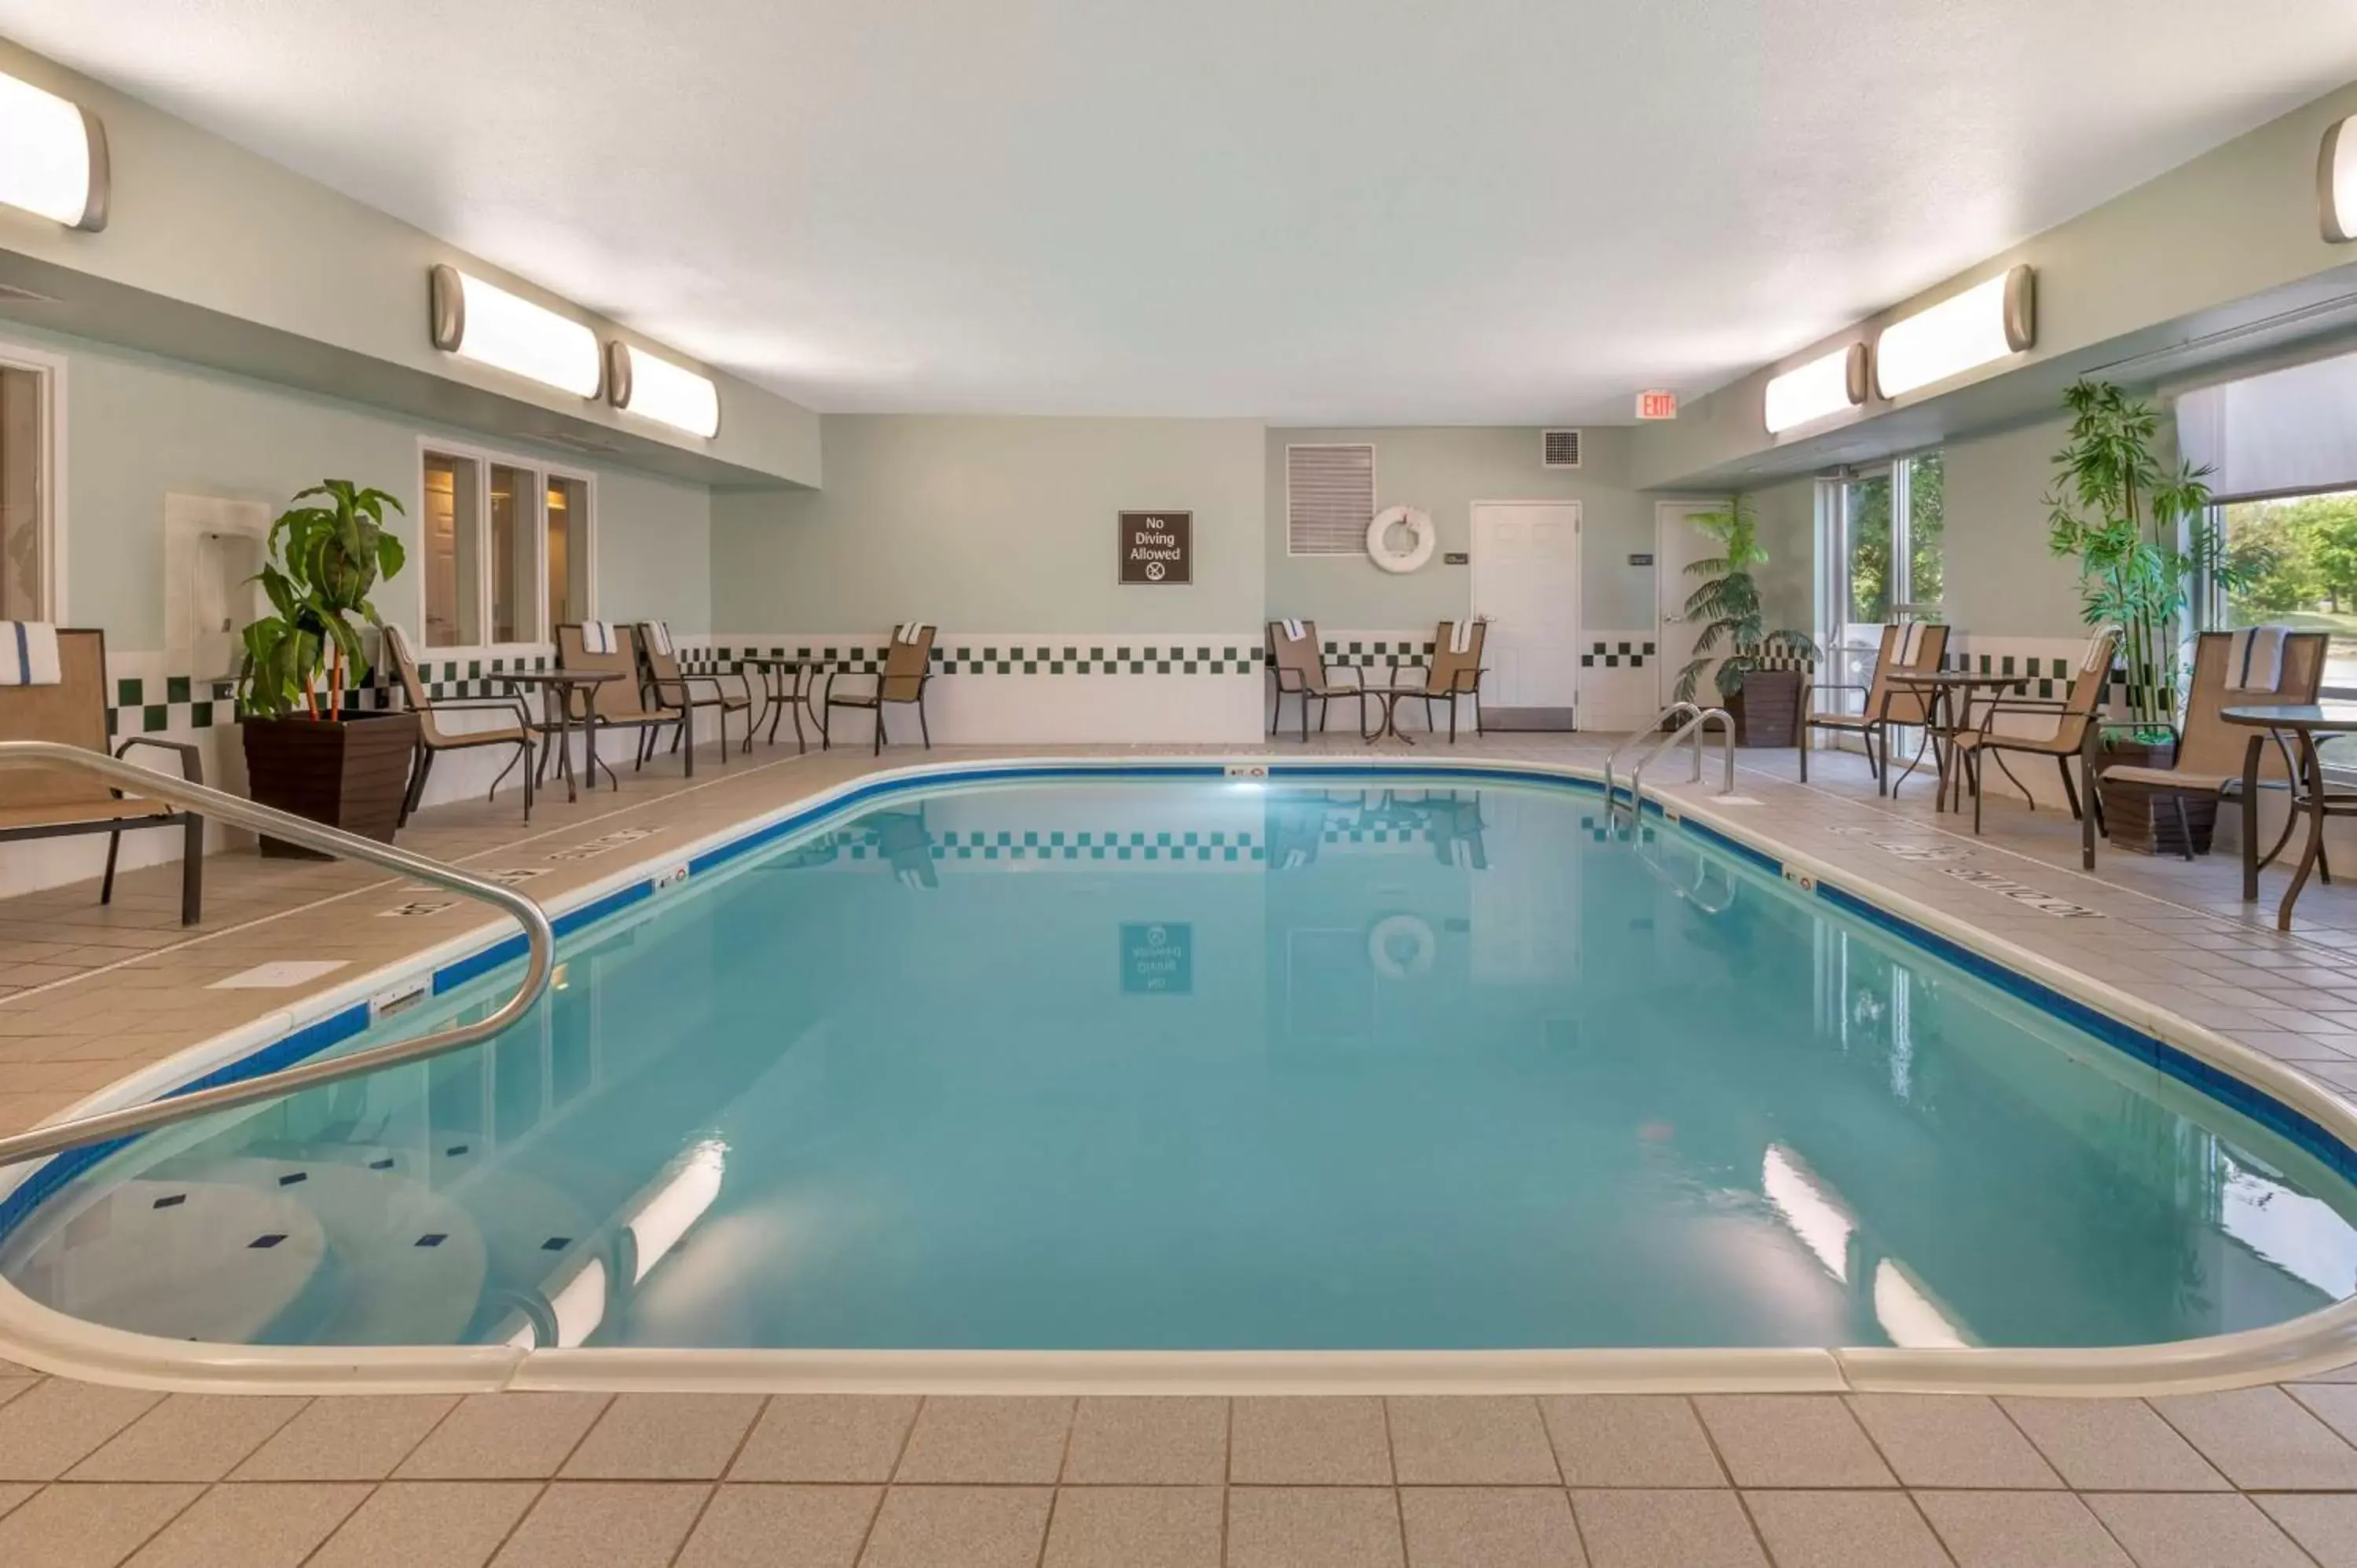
2072 714
907 666
616 704
683 694
2210 751
432 739
1914 646
1298 660
65 701
1455 671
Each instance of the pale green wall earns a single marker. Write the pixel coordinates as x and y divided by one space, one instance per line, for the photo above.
2002 580
1788 532
1444 470
994 524
137 427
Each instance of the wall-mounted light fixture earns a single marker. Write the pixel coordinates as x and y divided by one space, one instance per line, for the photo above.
1825 385
2336 181
52 157
1984 323
479 321
653 388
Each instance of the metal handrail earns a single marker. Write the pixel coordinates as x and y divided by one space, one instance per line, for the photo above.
538 935
1692 730
1611 797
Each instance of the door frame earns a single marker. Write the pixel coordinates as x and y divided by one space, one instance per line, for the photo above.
1578 578
1678 509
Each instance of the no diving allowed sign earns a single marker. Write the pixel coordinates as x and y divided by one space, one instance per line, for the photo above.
1158 548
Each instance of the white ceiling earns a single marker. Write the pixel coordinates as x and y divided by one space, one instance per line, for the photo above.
1307 211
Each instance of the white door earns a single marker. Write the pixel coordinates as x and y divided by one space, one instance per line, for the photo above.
1677 544
1526 580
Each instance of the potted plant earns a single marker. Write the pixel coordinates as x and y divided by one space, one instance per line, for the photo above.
2141 534
1760 676
304 753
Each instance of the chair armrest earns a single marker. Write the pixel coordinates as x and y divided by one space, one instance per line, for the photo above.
1357 676
192 762
513 703
828 695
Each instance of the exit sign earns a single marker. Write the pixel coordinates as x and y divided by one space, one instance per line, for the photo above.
1657 405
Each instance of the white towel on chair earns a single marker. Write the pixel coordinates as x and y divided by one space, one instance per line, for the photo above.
596 637
1292 631
1460 636
2255 659
28 653
1910 644
910 631
659 633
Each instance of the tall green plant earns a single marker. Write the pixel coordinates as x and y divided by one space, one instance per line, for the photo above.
2142 535
1728 605
322 563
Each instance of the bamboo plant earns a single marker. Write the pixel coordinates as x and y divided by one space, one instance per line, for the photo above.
1728 605
322 562
2142 535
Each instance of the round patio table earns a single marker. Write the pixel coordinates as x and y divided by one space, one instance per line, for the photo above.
1948 712
2286 723
785 687
559 686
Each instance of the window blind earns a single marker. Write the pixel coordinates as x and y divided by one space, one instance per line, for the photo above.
2280 432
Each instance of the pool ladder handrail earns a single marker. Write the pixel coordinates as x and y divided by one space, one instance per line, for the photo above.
1611 793
540 959
1698 720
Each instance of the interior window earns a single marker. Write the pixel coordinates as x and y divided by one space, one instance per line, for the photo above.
568 551
452 554
23 566
515 570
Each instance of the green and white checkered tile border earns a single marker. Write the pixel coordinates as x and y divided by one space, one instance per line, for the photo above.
1000 658
1396 653
151 704
1617 655
1007 845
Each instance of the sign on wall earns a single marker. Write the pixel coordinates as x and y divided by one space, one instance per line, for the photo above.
1157 960
1158 548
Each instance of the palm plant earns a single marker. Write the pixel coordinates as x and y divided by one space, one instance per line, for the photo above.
322 562
2142 535
1728 605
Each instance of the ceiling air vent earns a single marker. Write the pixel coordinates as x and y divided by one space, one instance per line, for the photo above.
1561 448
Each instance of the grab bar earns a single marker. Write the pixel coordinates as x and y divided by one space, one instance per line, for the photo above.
106 1124
1692 731
1611 796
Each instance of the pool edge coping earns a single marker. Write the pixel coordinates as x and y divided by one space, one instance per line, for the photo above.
58 1343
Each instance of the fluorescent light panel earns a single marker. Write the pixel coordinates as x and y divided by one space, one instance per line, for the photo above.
52 157
482 322
653 388
1963 332
2336 181
1825 385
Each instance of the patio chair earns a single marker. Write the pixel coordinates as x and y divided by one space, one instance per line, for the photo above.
2079 708
64 700
432 739
2209 762
683 694
1298 660
907 666
1455 671
1912 646
614 704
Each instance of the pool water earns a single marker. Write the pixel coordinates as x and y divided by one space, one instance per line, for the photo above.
1188 1063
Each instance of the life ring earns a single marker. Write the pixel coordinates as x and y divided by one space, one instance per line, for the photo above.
1417 522
1388 936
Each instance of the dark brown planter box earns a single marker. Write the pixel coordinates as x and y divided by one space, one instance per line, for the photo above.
1767 711
350 774
2143 817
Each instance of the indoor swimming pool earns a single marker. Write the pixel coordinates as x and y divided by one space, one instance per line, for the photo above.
1405 1061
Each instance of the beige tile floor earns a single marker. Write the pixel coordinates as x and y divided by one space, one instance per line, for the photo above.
91 1474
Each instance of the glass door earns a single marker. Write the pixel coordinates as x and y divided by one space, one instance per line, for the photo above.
1883 536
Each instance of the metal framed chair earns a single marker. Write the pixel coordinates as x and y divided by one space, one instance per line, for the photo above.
1296 660
613 705
684 694
908 666
42 803
2077 709
432 739
1455 673
1915 647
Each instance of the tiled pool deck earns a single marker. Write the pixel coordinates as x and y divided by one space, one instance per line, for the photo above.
91 1475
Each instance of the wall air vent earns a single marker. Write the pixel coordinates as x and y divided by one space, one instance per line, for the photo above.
1560 448
1330 499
